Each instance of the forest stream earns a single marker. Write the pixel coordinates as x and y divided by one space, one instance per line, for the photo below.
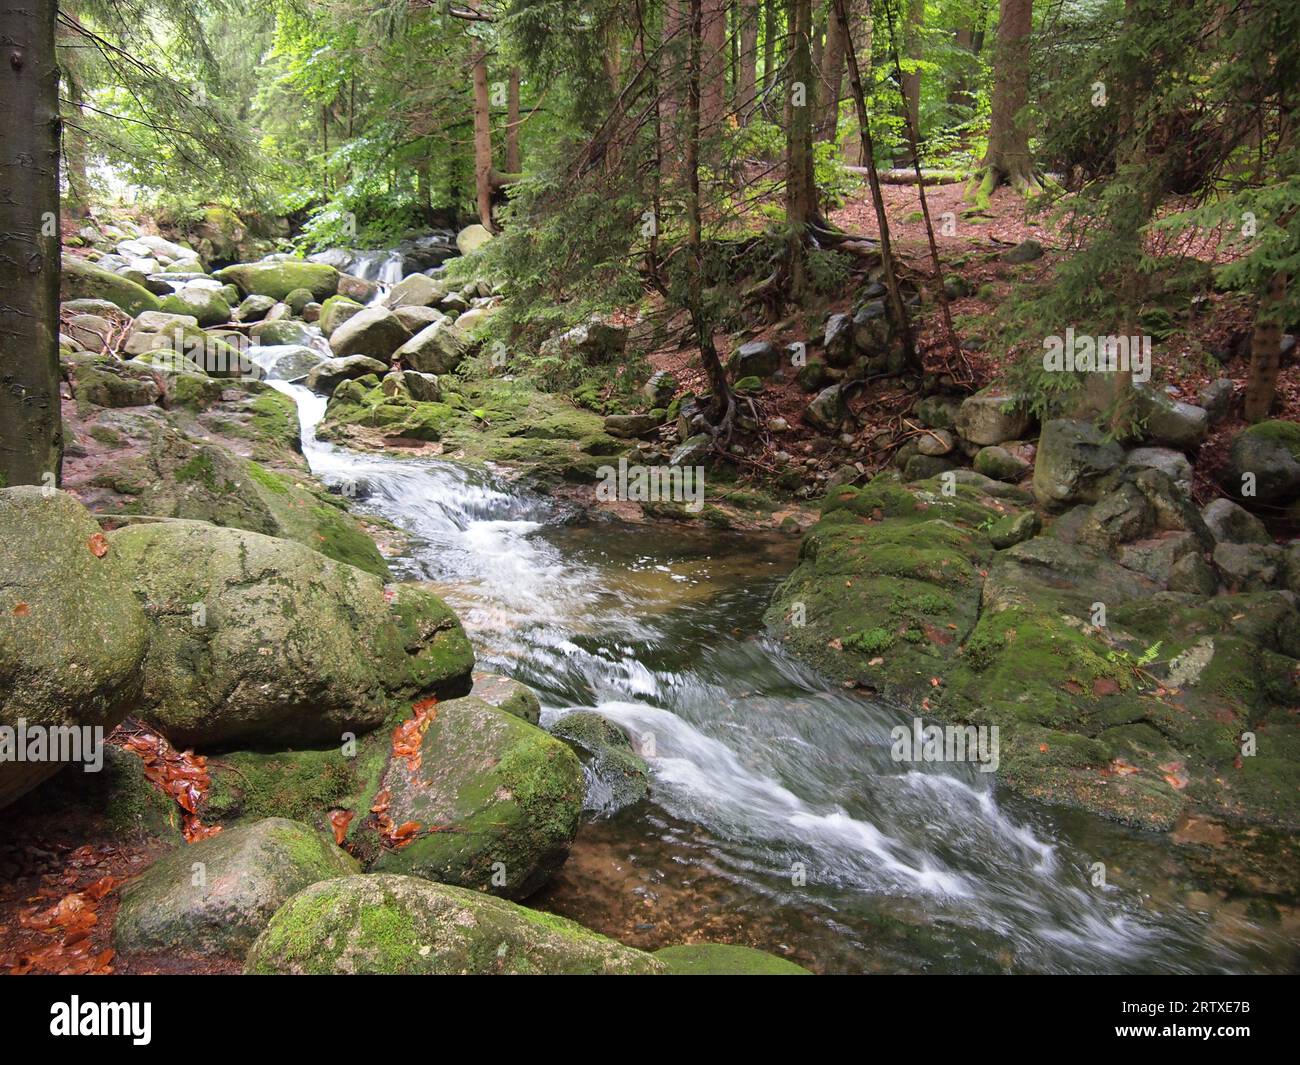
775 812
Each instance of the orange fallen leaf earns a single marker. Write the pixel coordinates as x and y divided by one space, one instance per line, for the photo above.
339 820
21 610
98 545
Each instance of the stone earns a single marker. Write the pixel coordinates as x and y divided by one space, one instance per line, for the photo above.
335 311
872 330
1249 567
1167 460
508 695
1192 575
472 238
828 410
116 384
812 376
616 776
73 637
1216 398
725 959
204 305
758 358
373 331
1024 252
992 417
597 342
1000 464
436 349
81 280
416 290
935 442
326 376
659 390
937 412
290 647
416 318
627 426
1156 557
278 279
1012 529
1266 458
298 299
1117 517
1170 421
402 925
253 308
692 451
1229 523
501 796
422 387
280 332
837 340
1073 458
249 871
357 288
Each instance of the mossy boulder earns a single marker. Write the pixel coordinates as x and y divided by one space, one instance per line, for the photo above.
402 925
205 305
302 785
437 349
616 775
335 311
508 695
258 641
82 280
497 801
725 959
214 898
373 331
278 279
182 478
1073 462
116 384
73 638
1265 457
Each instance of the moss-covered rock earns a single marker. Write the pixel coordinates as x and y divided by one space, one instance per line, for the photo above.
497 801
401 925
278 279
205 305
1267 457
214 898
724 959
508 695
82 280
300 785
258 641
72 636
616 775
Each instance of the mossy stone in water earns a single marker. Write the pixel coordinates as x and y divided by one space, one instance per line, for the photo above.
406 926
497 800
616 775
214 897
508 695
724 959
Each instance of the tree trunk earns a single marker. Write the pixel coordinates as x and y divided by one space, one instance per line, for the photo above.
699 54
858 15
31 426
912 80
513 164
713 68
1266 351
832 78
1007 159
800 197
482 142
898 309
770 32
746 76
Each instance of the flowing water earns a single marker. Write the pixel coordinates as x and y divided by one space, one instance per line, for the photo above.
776 816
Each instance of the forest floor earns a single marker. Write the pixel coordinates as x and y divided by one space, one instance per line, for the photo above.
1186 361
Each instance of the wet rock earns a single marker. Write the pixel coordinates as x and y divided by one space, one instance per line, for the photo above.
357 288
213 898
616 776
1168 461
499 800
72 636
1000 464
725 959
508 695
401 925
828 410
258 641
326 376
1012 529
280 332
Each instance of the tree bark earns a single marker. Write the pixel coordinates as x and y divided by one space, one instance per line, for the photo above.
1007 159
746 79
713 67
898 309
770 32
513 164
800 196
31 425
1266 351
912 80
482 142
832 79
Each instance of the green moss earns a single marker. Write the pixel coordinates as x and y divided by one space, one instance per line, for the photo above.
719 959
870 641
300 785
1282 432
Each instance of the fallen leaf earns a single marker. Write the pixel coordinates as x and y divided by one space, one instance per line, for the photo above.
98 545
